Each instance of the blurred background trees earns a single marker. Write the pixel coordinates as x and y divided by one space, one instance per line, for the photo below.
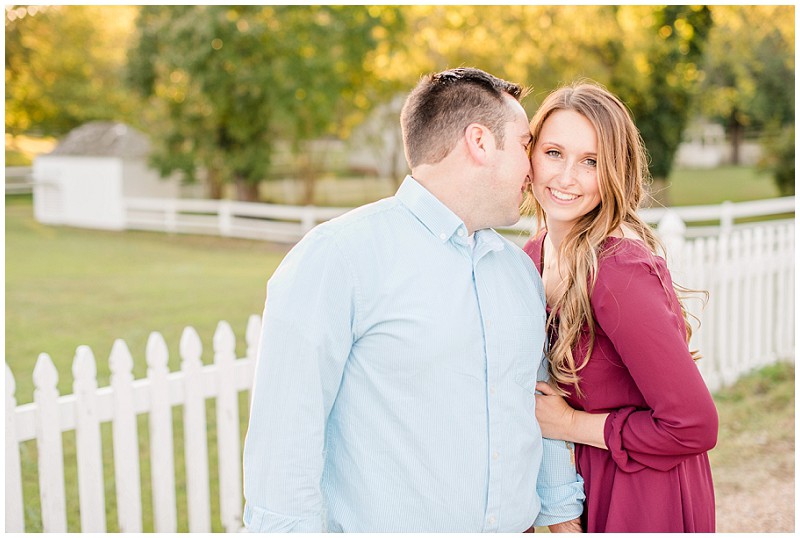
65 66
238 94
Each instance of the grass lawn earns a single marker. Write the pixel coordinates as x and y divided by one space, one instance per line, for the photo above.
67 286
733 183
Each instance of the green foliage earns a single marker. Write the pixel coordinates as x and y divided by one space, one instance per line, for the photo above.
660 100
748 68
779 154
64 67
228 81
224 85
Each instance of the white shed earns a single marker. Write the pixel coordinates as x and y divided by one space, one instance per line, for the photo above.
83 182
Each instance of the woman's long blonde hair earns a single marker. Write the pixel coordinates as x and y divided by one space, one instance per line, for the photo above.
622 172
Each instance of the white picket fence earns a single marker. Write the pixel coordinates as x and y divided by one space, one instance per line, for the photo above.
748 323
749 274
88 406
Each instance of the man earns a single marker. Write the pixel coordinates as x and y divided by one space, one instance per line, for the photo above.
394 388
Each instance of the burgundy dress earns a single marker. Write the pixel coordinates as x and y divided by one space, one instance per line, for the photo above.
655 475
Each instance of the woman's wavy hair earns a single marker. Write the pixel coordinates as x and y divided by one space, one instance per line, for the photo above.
622 173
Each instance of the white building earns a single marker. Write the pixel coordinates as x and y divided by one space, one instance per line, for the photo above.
83 182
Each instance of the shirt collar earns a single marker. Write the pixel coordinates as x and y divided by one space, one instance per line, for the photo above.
430 211
440 220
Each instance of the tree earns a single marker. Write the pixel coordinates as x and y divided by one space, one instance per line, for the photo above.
656 74
749 70
64 67
228 81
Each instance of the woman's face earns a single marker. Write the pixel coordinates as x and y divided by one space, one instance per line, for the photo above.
564 162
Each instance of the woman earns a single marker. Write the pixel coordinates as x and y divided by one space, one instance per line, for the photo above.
628 392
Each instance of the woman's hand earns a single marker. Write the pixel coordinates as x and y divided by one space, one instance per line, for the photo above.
559 421
554 414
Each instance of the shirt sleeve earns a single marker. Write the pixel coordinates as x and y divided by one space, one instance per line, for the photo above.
559 485
305 340
635 305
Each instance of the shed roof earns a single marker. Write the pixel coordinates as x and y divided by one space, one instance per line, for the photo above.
104 139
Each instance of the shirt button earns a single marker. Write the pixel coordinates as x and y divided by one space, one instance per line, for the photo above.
495 455
492 390
442 236
460 232
488 324
491 520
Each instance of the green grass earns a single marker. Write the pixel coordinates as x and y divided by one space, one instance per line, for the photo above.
732 183
66 287
757 412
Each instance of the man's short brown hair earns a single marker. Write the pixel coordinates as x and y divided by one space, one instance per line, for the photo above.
443 104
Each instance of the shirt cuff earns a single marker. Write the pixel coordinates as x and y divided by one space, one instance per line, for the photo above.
260 520
564 503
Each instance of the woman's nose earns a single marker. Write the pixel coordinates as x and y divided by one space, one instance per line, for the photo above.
567 174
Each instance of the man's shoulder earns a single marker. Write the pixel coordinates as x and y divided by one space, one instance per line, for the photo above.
362 217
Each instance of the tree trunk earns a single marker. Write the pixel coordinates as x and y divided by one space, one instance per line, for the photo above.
215 184
735 132
309 187
246 191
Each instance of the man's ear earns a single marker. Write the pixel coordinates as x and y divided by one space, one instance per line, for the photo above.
480 142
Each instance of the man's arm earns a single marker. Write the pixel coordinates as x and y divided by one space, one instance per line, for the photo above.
559 486
305 340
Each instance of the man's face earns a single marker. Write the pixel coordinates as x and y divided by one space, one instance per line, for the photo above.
510 170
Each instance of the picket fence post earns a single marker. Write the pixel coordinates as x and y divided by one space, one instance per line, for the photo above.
734 304
87 437
194 433
672 231
162 460
15 516
749 299
771 295
786 285
48 442
228 444
125 439
225 218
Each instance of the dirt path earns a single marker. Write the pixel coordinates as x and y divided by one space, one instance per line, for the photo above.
757 495
754 461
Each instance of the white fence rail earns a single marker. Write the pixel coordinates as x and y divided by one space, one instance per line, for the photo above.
747 323
725 214
289 223
19 179
249 220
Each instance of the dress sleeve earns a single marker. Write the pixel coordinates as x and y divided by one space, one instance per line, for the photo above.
306 336
635 305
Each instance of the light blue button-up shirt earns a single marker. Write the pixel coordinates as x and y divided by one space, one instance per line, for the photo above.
395 380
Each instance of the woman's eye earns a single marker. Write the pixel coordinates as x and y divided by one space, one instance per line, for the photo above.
553 153
591 162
